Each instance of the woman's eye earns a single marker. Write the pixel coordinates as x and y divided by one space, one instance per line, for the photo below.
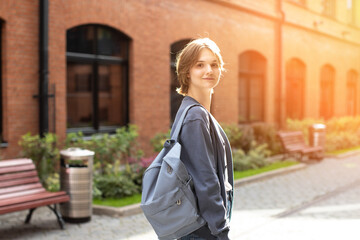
214 65
200 65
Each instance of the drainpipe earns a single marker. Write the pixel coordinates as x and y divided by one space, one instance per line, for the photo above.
43 67
278 65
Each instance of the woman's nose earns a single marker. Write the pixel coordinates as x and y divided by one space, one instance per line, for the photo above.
209 68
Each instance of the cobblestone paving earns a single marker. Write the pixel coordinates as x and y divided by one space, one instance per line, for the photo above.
335 217
320 210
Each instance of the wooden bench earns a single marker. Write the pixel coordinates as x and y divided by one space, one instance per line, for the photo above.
294 144
20 189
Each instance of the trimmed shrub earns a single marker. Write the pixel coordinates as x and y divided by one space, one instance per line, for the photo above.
44 153
53 182
246 137
135 173
111 151
240 136
343 124
266 133
158 140
341 133
114 186
341 140
118 165
254 159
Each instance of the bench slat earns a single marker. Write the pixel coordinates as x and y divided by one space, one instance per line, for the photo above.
22 193
34 204
21 181
311 149
11 176
15 162
294 143
30 198
19 168
20 188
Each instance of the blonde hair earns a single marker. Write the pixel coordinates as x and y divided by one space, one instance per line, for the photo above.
188 57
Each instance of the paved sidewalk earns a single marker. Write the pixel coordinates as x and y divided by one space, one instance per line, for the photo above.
319 202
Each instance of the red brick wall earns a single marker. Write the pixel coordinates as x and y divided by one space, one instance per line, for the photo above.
20 71
153 26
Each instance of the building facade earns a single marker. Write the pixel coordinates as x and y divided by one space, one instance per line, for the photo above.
93 66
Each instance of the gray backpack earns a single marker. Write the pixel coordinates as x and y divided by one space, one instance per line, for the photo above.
168 201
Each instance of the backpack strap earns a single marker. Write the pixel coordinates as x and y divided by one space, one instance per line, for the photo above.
181 121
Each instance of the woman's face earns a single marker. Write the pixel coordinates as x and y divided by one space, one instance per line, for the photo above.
205 74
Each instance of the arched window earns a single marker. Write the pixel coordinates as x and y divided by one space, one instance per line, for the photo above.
175 98
97 79
295 89
327 81
252 72
351 85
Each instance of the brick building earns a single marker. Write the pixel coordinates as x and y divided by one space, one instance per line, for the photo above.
96 65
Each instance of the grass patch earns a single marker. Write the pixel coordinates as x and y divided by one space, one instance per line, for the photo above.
118 202
273 166
341 151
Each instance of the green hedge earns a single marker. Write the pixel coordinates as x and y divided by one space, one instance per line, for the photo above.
341 133
114 186
45 154
246 137
254 159
112 153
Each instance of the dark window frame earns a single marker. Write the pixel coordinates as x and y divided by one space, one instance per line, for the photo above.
300 79
247 74
352 83
327 83
96 60
175 98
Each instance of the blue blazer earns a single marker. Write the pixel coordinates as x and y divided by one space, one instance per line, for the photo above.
204 148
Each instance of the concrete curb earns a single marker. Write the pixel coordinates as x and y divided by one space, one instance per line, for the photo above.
117 211
269 174
135 208
348 154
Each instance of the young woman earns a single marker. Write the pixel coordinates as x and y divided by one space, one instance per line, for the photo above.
205 149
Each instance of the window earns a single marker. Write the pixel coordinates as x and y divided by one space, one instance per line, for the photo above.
175 98
351 86
252 72
352 11
295 79
329 7
327 91
97 79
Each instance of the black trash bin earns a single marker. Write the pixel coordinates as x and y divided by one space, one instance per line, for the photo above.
76 180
